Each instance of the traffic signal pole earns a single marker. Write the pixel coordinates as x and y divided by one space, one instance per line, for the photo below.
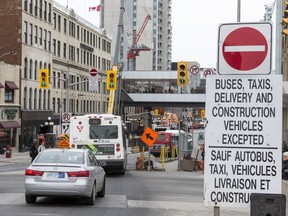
278 45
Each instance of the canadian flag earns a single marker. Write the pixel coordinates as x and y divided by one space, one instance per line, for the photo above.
97 8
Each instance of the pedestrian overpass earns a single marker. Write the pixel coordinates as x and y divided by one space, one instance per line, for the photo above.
159 88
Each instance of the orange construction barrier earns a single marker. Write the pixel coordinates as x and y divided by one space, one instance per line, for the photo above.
139 163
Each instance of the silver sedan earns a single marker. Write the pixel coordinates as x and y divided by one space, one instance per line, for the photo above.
65 172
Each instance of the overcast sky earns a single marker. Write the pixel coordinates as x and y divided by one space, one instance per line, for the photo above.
194 24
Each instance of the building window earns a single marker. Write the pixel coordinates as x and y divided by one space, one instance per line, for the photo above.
45 10
49 95
78 32
25 32
36 8
49 40
9 95
58 105
25 98
84 36
44 99
35 70
40 8
58 48
77 55
54 46
35 34
40 99
31 7
45 39
59 23
53 104
30 69
49 13
35 98
64 50
31 34
30 99
54 20
40 36
65 25
25 67
25 5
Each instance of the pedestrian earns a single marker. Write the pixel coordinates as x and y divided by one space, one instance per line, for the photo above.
41 147
285 166
33 150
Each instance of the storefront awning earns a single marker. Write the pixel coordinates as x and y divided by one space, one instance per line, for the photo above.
1 86
11 85
9 124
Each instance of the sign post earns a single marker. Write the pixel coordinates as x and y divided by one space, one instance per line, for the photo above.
148 137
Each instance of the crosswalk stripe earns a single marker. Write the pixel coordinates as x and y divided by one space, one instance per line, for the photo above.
120 201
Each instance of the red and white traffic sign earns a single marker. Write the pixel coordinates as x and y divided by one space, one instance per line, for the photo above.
209 71
194 69
93 72
245 48
66 117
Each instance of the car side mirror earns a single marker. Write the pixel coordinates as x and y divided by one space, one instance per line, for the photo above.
102 163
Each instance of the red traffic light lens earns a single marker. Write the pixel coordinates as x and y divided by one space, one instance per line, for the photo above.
182 67
111 75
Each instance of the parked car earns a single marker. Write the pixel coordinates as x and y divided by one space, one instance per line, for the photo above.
67 173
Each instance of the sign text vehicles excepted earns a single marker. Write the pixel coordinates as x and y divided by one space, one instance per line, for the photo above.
243 138
149 136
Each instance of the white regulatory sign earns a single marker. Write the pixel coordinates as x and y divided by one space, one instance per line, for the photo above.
243 147
66 117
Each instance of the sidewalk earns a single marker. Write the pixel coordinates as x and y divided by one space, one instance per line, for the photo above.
16 157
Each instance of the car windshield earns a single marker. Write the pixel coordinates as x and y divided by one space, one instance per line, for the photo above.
61 157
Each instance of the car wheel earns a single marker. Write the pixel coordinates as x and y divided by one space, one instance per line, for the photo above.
30 199
102 192
91 200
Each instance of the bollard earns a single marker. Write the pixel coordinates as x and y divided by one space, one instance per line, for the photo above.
8 152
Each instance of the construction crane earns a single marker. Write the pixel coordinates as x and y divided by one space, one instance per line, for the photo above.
134 48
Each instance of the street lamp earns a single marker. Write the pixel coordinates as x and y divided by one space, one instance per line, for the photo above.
49 122
8 53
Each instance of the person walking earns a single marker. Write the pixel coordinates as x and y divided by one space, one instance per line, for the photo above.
33 150
41 147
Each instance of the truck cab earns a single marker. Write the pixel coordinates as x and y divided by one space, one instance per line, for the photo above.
164 139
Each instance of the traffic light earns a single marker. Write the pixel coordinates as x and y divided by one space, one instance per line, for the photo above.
182 73
43 78
285 20
111 79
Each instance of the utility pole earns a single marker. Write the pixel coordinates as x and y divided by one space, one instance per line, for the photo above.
238 10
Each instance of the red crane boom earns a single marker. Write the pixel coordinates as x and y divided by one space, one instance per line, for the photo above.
134 49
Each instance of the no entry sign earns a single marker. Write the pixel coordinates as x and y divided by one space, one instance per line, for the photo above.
93 72
245 48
